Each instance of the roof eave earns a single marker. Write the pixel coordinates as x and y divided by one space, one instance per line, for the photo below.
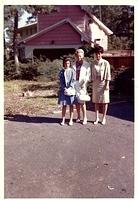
102 26
66 20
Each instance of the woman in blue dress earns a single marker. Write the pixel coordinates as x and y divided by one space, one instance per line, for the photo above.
67 80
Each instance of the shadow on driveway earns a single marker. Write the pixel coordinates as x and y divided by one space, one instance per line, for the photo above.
30 119
122 110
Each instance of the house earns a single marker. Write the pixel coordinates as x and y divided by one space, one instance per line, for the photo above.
61 32
27 30
120 58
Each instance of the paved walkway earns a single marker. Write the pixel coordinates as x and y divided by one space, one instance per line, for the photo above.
44 159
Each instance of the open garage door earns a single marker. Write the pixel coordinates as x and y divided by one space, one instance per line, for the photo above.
52 53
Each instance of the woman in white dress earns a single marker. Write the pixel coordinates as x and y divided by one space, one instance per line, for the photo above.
82 75
101 77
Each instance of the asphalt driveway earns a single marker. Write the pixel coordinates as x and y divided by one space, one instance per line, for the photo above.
44 159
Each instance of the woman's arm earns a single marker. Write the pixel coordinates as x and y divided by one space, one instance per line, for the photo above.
107 84
61 79
108 75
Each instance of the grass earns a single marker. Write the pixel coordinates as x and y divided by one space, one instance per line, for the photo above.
30 97
41 98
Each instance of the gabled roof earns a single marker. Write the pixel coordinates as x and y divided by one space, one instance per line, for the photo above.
101 25
84 36
27 25
52 27
98 22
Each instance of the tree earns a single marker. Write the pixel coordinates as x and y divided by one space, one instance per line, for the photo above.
120 19
12 15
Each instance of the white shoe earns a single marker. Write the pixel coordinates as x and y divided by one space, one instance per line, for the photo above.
96 121
103 122
70 123
84 121
62 123
78 120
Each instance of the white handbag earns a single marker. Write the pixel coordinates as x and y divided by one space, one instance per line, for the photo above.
70 91
83 96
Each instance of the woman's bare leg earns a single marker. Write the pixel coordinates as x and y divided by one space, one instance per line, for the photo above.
83 107
71 115
78 111
63 114
96 113
105 107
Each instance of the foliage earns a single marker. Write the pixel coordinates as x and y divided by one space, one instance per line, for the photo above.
117 43
120 19
9 14
12 14
124 81
35 9
26 71
9 70
49 69
36 70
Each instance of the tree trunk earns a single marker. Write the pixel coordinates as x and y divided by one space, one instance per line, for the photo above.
15 50
16 60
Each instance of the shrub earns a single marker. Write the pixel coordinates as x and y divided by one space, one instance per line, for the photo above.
28 71
49 70
9 70
124 81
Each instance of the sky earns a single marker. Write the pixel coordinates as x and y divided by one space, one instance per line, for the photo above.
23 20
21 23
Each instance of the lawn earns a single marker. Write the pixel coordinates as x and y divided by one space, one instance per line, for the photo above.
30 97
39 97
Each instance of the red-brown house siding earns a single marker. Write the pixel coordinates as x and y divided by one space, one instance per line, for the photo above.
119 61
74 13
67 28
119 58
62 35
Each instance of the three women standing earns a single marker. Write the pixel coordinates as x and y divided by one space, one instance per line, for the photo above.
77 77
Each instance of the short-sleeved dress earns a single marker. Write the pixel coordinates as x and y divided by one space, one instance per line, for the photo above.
66 78
100 73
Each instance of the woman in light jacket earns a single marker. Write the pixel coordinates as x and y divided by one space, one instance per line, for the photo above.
101 77
67 80
82 75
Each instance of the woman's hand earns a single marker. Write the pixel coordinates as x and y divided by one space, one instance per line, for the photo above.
107 87
82 84
65 90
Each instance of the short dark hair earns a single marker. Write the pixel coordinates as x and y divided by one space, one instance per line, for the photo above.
65 59
98 49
